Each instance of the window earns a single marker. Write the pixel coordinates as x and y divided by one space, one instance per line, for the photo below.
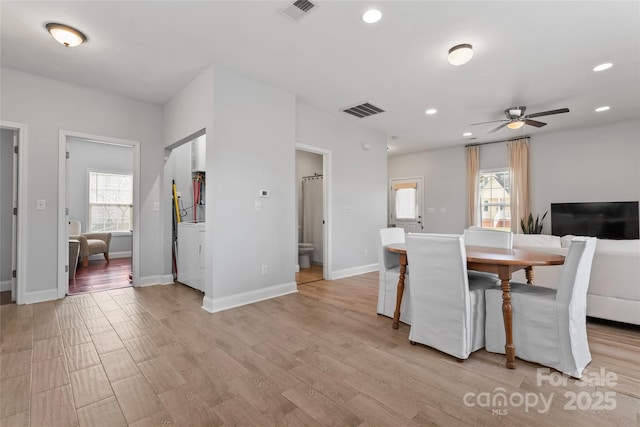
405 203
495 201
110 202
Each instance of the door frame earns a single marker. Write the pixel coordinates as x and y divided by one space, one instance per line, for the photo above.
63 217
18 248
326 195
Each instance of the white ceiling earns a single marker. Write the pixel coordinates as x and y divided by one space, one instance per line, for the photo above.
531 53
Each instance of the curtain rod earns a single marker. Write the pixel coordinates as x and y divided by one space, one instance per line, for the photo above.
496 142
312 176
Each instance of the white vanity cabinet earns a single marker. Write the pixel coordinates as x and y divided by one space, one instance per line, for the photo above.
191 260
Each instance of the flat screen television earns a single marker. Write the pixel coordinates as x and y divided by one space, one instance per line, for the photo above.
604 220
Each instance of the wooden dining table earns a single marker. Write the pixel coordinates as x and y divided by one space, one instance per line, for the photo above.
502 262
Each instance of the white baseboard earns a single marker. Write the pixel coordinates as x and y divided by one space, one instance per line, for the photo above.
40 296
5 285
112 255
353 271
164 279
214 305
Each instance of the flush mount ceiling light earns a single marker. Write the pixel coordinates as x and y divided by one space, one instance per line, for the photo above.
460 54
516 125
467 134
372 16
66 35
603 67
431 111
603 108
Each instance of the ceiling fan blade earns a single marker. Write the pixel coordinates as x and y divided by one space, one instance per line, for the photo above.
484 123
546 113
534 123
498 128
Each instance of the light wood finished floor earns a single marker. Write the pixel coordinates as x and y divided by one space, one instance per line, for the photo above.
151 356
311 274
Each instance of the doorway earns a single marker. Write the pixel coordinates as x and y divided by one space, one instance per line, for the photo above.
406 204
99 194
12 212
312 187
8 195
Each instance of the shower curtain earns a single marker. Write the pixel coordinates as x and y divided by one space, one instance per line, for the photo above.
312 215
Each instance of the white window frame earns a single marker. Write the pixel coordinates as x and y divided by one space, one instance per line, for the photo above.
88 207
480 207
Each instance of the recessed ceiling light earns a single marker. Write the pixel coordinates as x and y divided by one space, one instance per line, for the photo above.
603 67
372 16
467 134
65 35
431 111
603 108
460 54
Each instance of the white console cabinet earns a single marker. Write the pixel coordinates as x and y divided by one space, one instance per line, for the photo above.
191 260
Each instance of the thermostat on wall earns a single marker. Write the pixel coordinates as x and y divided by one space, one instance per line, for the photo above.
264 193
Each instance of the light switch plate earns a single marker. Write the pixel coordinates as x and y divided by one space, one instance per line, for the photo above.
40 204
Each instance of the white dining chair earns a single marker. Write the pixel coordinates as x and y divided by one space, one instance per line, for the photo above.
389 273
476 236
549 325
447 312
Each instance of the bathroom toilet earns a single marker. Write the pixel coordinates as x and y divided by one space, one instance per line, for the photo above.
304 250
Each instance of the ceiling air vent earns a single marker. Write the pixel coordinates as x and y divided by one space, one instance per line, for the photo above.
298 10
363 110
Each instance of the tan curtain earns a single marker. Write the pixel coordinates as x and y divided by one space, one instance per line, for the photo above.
519 177
473 174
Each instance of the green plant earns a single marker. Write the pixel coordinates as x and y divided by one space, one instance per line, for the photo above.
532 227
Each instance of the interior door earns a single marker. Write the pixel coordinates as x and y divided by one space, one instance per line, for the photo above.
406 204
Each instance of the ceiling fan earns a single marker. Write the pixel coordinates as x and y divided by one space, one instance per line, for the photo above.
516 118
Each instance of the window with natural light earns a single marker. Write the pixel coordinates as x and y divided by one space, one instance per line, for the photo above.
110 202
495 202
406 205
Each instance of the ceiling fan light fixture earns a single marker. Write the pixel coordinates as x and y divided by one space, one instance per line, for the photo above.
603 67
65 35
460 54
516 125
603 108
372 16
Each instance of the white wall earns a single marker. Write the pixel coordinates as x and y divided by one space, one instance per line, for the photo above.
188 112
358 181
46 106
251 133
444 173
583 165
85 156
6 206
253 149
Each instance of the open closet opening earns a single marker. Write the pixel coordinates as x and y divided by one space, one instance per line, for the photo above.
185 165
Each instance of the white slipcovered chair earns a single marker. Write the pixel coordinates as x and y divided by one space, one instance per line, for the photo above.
90 243
447 311
476 236
389 273
549 325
